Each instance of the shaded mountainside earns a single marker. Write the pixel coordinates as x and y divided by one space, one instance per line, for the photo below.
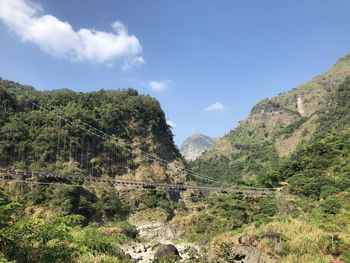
274 129
50 130
195 145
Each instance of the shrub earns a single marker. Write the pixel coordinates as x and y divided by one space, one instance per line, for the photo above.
328 190
267 206
331 205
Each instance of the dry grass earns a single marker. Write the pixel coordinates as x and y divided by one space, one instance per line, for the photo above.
99 258
303 241
151 215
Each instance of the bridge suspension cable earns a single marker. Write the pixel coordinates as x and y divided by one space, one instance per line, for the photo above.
111 139
73 180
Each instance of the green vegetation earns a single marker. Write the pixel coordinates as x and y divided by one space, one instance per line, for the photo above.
321 167
253 166
220 213
45 238
255 151
317 225
44 130
88 224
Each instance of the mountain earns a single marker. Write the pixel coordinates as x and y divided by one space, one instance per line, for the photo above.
320 167
104 133
274 129
307 221
195 145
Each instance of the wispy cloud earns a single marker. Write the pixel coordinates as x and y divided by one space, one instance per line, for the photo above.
58 37
170 123
159 85
133 62
217 106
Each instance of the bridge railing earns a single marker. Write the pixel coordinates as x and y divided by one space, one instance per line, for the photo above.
39 176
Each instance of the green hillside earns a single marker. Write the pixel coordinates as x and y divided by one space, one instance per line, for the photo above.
313 209
99 133
109 134
273 131
321 167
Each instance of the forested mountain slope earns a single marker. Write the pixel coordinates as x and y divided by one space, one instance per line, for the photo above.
109 132
321 167
314 208
274 129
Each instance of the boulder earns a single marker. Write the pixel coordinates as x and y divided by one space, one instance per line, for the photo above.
166 252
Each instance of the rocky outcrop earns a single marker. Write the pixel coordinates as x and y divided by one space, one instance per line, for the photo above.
195 145
300 106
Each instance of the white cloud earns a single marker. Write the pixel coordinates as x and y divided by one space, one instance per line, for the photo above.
159 85
170 123
217 106
58 37
133 62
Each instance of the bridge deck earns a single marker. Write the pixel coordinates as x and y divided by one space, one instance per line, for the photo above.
43 177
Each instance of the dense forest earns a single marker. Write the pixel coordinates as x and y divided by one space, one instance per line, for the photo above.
100 133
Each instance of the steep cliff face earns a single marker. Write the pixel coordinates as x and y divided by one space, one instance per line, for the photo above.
195 145
273 130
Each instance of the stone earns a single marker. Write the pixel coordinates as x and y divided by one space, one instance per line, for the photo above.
166 252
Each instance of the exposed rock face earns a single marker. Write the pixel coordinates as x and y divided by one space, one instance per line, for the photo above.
269 116
300 106
195 145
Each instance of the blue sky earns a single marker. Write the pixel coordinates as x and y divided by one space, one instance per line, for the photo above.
207 62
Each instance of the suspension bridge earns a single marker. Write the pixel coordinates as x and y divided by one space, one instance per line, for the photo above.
27 175
49 178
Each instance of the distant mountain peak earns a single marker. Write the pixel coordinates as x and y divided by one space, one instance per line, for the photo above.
195 145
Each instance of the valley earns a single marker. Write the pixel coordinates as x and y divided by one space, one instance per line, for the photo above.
96 177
